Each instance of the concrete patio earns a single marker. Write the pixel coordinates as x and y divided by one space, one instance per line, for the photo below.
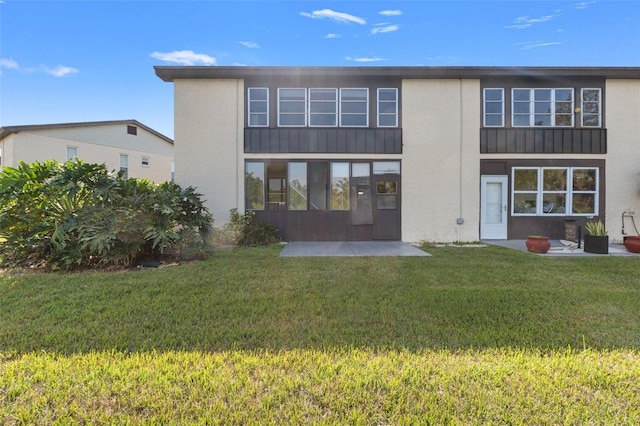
350 248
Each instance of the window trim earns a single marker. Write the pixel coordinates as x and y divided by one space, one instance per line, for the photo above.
366 89
569 192
310 101
582 102
484 107
532 112
74 155
306 112
379 114
249 101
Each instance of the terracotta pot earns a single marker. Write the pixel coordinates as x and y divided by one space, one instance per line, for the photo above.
538 243
632 243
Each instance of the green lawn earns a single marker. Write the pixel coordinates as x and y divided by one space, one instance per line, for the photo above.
469 335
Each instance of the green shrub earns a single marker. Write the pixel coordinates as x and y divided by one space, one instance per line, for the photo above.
77 215
245 230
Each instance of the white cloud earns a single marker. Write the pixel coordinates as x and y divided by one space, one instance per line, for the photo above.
583 4
522 22
249 44
390 12
184 57
8 63
385 29
364 59
61 71
332 35
335 16
536 44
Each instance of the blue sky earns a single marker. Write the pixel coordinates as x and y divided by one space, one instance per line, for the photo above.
67 61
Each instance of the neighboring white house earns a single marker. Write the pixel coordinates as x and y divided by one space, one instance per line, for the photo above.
411 153
126 145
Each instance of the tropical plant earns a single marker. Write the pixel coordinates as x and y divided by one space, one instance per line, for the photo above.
596 228
75 215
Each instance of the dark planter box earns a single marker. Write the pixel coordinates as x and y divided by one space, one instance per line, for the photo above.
596 244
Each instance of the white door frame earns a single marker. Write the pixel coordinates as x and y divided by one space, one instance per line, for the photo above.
497 229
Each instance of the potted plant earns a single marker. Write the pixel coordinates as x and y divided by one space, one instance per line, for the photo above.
632 243
538 243
596 240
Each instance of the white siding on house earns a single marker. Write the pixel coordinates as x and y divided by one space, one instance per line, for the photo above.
208 138
440 167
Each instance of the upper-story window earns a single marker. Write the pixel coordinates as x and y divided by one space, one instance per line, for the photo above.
292 107
258 99
72 152
591 107
387 107
323 107
542 107
354 107
493 107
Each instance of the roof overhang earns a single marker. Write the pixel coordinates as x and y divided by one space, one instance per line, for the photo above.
172 73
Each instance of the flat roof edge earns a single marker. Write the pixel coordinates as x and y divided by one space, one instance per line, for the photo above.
171 73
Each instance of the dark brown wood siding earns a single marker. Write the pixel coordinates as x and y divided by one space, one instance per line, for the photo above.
543 141
321 140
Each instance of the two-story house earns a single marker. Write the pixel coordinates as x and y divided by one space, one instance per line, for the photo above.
127 145
411 153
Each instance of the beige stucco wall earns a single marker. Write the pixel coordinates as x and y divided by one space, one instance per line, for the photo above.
622 115
95 144
441 167
208 134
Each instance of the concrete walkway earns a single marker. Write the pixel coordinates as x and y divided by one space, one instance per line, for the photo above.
559 249
350 248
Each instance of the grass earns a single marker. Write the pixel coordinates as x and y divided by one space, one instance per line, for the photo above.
470 335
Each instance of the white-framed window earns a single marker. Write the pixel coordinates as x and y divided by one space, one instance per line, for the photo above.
258 106
560 191
144 161
72 152
124 165
354 107
591 107
542 107
292 107
387 107
493 100
323 107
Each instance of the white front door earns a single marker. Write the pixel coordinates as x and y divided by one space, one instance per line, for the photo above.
493 209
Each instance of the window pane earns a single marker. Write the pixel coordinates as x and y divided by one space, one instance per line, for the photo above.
258 107
590 120
542 95
322 120
360 170
386 187
521 108
354 108
592 95
386 202
292 119
387 95
258 94
493 94
584 204
555 179
386 167
254 186
323 94
542 107
387 108
257 120
292 94
525 179
563 108
317 186
524 203
276 185
340 186
542 120
554 203
520 120
292 107
493 108
354 120
323 107
297 186
590 108
387 121
564 95
564 120
584 179
521 95
493 120
73 152
353 94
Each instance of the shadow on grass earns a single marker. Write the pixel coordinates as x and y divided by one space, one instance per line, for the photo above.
251 299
